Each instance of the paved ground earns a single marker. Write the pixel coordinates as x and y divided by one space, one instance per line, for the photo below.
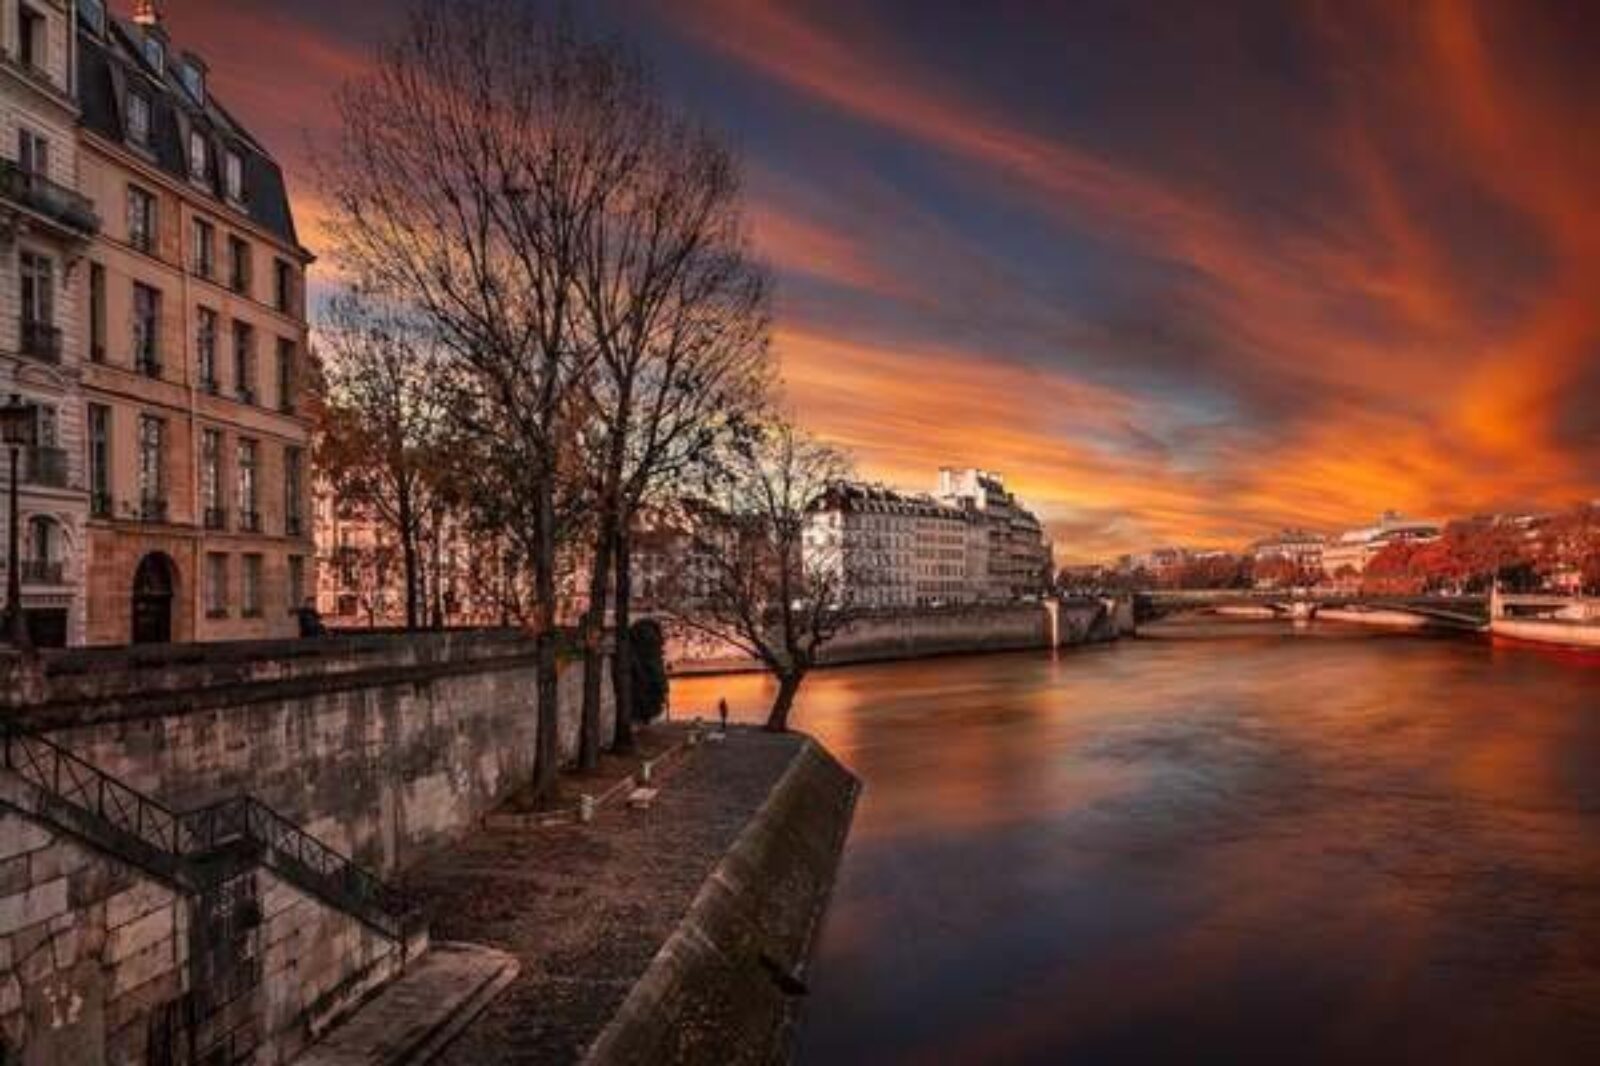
424 1009
584 908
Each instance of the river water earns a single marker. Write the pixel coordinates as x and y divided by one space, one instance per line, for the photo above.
1221 843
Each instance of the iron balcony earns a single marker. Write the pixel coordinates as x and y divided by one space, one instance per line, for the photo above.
65 208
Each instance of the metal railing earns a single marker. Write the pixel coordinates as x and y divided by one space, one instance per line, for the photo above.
43 572
250 521
41 340
153 509
184 843
216 518
147 364
55 201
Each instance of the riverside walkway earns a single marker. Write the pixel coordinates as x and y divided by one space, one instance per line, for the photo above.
585 908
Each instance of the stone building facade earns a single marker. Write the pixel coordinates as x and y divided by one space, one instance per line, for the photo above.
975 543
45 228
192 300
1019 555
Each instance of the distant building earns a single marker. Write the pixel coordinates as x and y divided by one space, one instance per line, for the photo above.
1353 550
973 544
1019 556
1297 546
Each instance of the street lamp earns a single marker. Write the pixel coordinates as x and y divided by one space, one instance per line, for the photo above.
16 431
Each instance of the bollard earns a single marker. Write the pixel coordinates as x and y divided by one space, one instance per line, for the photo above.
585 808
645 770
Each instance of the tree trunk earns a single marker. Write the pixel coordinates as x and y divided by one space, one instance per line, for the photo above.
547 746
788 687
622 655
594 623
437 566
409 560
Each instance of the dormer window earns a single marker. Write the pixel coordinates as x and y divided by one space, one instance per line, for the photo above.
199 154
233 175
139 118
93 14
194 80
155 53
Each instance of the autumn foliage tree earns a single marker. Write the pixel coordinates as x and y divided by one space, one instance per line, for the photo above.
383 426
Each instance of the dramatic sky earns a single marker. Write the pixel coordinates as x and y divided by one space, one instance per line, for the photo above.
1182 272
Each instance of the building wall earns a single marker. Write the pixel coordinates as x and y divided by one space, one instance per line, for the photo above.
119 535
383 747
38 100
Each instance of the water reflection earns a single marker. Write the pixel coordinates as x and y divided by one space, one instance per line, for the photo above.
1249 844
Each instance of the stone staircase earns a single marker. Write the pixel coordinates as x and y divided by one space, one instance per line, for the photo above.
194 851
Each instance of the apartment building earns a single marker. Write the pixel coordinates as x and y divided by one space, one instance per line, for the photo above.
1348 555
1019 557
192 307
898 550
45 230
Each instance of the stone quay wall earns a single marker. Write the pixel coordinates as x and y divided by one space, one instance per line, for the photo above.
923 633
724 988
382 747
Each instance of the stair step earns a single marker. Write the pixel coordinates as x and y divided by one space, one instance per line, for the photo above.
417 1015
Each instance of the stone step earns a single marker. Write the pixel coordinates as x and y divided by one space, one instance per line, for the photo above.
415 1017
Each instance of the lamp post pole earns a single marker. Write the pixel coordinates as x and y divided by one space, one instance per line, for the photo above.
16 628
16 427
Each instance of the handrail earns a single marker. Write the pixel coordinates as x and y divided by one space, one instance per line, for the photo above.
191 837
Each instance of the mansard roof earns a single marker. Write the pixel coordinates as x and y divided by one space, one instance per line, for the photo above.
112 63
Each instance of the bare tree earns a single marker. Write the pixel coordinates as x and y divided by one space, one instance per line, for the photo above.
472 164
677 309
772 584
384 416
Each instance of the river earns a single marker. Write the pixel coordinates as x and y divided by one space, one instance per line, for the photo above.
1221 843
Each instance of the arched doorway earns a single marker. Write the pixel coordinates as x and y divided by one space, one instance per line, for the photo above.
152 599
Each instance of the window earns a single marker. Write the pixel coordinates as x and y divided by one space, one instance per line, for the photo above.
100 460
249 517
203 258
292 501
205 346
297 581
33 153
194 79
211 479
42 548
197 155
286 369
30 37
93 13
250 593
152 468
216 585
238 265
282 286
139 119
141 219
40 338
146 329
244 362
233 177
155 53
97 313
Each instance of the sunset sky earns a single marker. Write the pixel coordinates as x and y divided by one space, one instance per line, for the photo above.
1184 273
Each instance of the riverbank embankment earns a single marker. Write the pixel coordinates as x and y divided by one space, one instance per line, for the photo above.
674 934
926 633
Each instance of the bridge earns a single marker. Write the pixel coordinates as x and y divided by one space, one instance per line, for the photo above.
1455 612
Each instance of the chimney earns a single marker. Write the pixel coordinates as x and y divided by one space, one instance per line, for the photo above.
146 13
